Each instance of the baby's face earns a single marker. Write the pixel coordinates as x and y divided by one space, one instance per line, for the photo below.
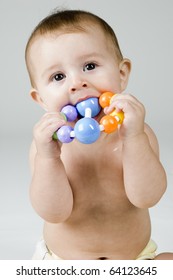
73 66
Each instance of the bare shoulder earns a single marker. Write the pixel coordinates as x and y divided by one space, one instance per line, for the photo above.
32 154
152 139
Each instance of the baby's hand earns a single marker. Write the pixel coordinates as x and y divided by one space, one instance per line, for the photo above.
134 115
43 132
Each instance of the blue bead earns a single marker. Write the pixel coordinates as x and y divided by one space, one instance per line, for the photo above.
87 130
91 103
63 134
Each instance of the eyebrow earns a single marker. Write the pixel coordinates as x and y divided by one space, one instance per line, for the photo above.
93 54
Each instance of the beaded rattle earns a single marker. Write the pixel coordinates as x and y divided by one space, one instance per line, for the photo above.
87 130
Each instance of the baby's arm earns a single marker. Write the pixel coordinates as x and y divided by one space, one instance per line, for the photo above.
50 191
144 176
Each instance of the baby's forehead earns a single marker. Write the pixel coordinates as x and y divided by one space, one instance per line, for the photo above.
94 31
80 43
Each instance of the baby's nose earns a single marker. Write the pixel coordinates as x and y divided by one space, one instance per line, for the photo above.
77 85
75 88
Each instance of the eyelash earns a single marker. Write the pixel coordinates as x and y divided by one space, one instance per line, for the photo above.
89 64
61 76
58 74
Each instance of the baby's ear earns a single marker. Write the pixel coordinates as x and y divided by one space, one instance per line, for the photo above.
36 97
125 67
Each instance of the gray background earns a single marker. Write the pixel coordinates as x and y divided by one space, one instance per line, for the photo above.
144 30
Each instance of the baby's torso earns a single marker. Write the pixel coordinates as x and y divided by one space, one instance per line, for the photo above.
103 223
99 237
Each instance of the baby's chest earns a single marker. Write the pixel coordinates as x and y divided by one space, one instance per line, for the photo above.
101 199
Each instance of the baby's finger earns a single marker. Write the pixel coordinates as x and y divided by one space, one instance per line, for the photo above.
51 119
127 97
54 114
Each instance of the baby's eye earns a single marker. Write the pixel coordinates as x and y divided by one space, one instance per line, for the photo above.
89 66
58 77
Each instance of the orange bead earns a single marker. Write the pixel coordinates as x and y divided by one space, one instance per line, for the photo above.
104 99
109 123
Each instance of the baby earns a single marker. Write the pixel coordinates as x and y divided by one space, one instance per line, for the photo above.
94 198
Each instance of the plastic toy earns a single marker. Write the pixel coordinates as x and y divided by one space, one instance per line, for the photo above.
110 122
87 129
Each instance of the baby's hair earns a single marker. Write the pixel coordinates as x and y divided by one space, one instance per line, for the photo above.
69 21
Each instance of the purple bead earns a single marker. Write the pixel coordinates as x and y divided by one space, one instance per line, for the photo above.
70 112
63 134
